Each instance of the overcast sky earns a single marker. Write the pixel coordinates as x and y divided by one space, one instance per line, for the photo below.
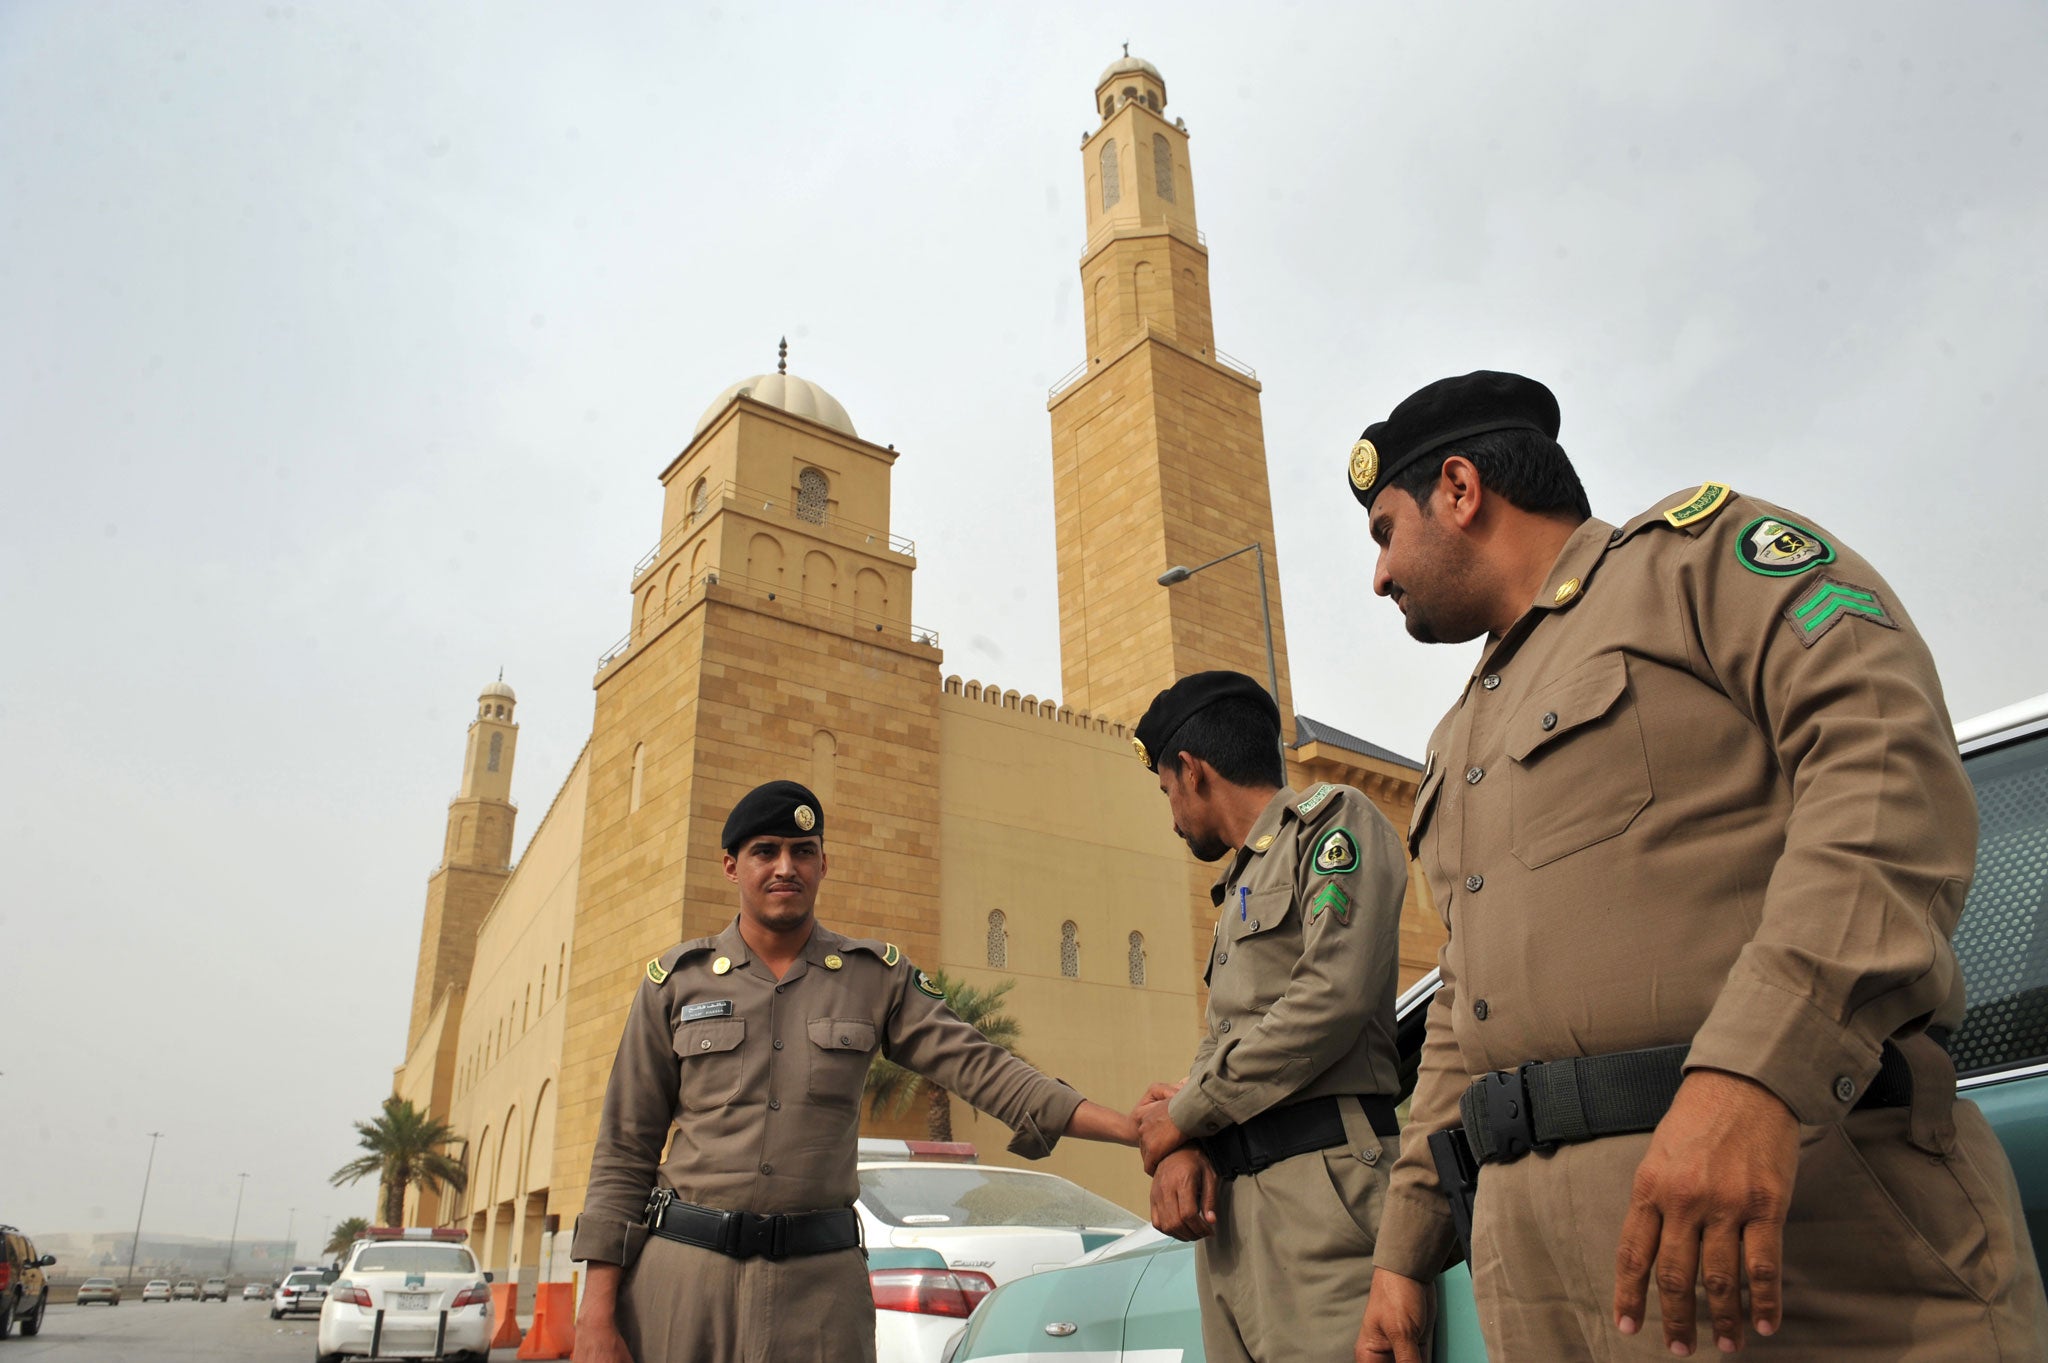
341 345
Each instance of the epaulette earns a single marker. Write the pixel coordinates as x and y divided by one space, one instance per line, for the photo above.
664 965
889 952
1316 799
1682 511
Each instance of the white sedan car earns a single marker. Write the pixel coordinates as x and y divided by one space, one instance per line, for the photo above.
420 1296
943 1233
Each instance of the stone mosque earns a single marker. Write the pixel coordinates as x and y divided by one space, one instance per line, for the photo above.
991 834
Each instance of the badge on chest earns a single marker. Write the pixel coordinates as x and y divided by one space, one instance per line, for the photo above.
717 1008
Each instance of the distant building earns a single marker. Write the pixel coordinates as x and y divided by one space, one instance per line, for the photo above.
993 834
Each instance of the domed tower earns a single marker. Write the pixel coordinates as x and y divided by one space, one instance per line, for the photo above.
1158 415
476 855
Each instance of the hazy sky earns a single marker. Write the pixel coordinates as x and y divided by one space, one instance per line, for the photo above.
341 345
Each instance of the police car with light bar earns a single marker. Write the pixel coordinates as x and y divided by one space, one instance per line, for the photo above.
408 1293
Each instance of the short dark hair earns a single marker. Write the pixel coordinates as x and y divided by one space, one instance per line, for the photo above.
1527 468
1237 737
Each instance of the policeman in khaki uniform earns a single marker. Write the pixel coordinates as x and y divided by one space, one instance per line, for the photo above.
742 1246
1700 835
1273 1153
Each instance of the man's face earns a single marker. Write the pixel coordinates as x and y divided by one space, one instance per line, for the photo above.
1427 568
778 880
1188 796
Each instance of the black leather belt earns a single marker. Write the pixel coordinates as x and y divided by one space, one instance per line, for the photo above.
744 1235
1543 1105
1284 1132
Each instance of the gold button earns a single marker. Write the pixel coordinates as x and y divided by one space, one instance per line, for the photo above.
721 965
704 1045
1569 590
833 963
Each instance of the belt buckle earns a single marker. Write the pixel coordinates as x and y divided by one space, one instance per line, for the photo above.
1510 1124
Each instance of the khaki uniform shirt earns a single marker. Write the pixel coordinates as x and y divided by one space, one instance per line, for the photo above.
1302 972
762 1079
1705 791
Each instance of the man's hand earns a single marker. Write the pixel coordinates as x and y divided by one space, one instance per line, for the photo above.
1157 1135
1709 1206
1397 1318
1184 1195
597 1333
1159 1093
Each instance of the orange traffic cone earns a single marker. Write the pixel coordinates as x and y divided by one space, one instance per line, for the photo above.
503 1295
554 1322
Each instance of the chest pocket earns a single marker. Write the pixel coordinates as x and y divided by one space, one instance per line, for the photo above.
1425 806
1264 912
839 1052
711 1059
1580 772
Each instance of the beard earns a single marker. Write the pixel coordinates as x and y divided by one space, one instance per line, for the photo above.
1208 847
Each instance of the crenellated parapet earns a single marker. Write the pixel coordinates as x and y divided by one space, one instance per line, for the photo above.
991 693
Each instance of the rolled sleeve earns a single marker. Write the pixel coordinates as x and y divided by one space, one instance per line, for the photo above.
927 1037
639 1106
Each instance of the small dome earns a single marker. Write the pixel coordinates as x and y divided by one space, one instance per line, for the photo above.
497 690
798 397
1129 66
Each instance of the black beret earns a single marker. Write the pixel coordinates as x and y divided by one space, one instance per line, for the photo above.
1445 411
1178 703
780 809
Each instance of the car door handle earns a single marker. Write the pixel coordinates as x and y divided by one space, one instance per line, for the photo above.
1060 1329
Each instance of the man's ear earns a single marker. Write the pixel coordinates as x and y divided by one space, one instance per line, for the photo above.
1463 494
732 868
1194 774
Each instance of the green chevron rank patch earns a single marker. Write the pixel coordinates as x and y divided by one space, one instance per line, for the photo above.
1829 603
1333 898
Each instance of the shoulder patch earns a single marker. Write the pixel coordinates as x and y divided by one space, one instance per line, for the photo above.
1315 799
655 974
1774 547
926 985
1336 853
891 954
1829 603
1710 498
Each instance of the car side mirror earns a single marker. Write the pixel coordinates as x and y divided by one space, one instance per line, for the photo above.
46 1261
490 1277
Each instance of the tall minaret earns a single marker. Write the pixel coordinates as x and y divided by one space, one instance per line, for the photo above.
1159 453
475 858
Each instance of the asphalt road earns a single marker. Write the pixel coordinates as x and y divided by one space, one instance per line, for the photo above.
174 1332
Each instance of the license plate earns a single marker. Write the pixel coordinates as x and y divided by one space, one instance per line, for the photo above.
412 1301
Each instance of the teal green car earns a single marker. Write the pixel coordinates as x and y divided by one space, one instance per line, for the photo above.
1134 1301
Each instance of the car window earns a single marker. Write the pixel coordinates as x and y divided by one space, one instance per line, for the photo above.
413 1259
303 1280
966 1195
2002 941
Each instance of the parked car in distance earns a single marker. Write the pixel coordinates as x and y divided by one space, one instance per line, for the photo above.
255 1291
104 1291
214 1289
1140 1294
943 1232
412 1293
24 1291
185 1289
302 1290
157 1289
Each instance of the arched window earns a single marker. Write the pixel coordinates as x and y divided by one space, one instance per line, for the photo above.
811 492
497 751
561 968
543 989
1137 959
526 1008
1162 166
700 499
1070 950
639 773
1112 183
998 941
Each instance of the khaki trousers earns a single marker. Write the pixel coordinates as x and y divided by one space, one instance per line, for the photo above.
682 1304
1891 1253
1284 1278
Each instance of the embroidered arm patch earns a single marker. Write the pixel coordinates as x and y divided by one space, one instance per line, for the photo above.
1336 853
1829 603
1333 898
654 971
926 984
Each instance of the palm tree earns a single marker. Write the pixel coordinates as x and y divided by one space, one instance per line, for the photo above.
345 1233
891 1089
404 1146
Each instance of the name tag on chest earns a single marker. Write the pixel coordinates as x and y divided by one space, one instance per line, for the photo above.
717 1008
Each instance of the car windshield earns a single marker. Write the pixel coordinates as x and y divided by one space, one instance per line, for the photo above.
968 1195
303 1280
99 1282
414 1259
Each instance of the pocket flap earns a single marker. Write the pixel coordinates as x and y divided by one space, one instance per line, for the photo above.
1264 910
1580 698
709 1037
843 1034
1425 801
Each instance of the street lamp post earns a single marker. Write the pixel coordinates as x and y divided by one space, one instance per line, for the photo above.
240 1188
1177 574
290 1217
147 1170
